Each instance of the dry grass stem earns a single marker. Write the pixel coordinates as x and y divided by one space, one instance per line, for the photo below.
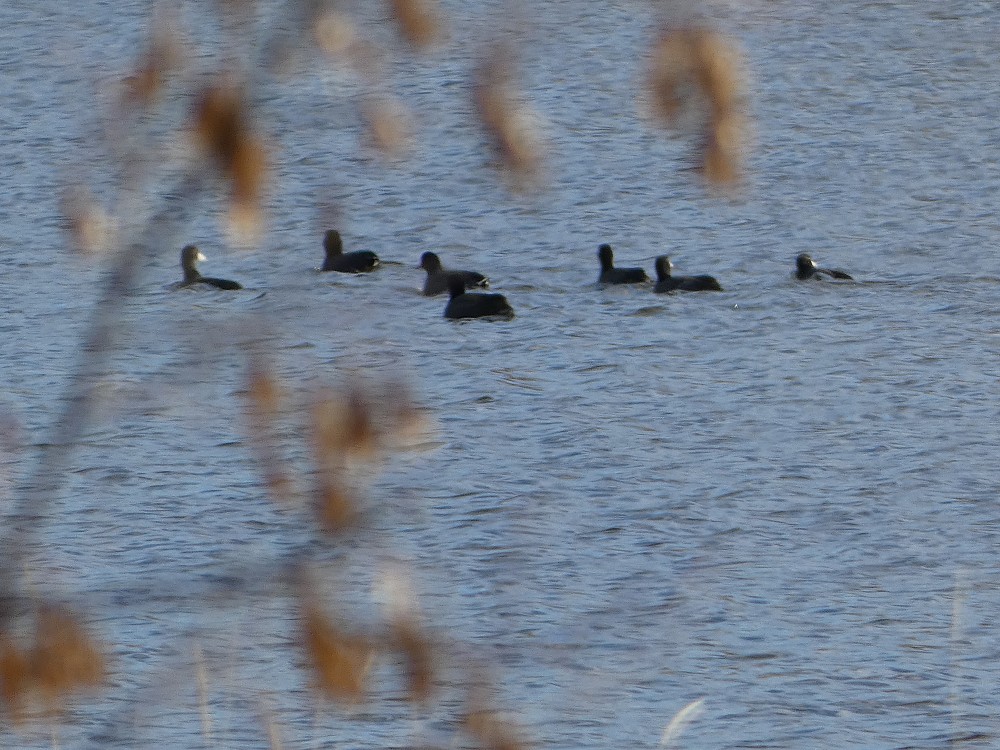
201 673
681 719
271 726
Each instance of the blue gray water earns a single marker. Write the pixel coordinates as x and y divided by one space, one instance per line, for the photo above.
781 499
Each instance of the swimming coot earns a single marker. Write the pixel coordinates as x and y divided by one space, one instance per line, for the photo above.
667 283
359 261
806 268
190 256
438 277
612 275
465 304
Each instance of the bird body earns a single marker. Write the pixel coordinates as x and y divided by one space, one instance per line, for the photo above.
358 261
190 256
806 268
439 277
463 304
612 275
665 282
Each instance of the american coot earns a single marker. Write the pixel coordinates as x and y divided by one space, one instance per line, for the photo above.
612 275
667 283
438 277
806 268
465 304
359 261
190 256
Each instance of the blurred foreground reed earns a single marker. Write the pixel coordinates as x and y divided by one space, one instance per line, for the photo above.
217 147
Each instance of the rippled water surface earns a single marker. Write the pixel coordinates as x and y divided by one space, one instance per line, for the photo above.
781 499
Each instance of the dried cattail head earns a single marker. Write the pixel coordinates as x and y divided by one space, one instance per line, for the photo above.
336 508
697 70
338 38
418 656
343 427
401 423
418 21
263 393
671 73
388 125
222 130
406 635
335 34
89 226
507 120
343 430
493 731
719 70
249 172
64 657
691 66
722 162
15 678
340 662
264 407
161 56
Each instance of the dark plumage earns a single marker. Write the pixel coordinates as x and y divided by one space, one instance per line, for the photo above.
667 283
190 256
438 277
806 268
359 261
465 304
612 275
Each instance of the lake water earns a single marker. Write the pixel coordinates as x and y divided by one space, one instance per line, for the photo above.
780 499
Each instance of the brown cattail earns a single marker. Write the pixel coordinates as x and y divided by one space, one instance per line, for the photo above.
64 657
340 662
143 87
670 73
418 656
387 123
336 507
264 407
335 34
343 427
88 225
222 130
697 70
492 731
506 119
723 151
15 678
418 21
718 69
